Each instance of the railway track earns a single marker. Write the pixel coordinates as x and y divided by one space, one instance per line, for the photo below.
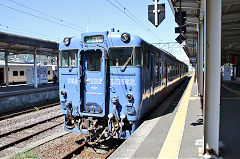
26 127
75 152
21 111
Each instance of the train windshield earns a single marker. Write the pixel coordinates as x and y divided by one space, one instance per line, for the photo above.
94 60
122 55
68 58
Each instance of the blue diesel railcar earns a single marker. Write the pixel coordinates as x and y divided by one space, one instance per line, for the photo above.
109 80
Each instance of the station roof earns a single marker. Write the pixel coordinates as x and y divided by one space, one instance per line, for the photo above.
230 26
26 45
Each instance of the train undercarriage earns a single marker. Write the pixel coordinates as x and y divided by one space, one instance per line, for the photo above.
96 130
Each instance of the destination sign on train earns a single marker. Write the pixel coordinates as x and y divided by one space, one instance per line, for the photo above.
93 39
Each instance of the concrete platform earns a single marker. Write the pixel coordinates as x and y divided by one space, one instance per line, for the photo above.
17 96
13 90
159 135
229 120
173 132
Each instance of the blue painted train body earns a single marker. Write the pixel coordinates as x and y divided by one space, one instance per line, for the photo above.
109 80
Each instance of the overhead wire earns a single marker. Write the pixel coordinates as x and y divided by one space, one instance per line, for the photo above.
45 14
72 26
21 30
134 18
36 16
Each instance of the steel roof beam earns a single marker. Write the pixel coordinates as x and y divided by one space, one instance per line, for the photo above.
231 17
189 4
233 2
23 45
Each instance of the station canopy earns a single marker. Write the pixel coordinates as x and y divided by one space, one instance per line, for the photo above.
27 45
230 26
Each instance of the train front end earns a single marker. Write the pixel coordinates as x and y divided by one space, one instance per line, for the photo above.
99 85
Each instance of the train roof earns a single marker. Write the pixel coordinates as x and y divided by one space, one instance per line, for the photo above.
114 40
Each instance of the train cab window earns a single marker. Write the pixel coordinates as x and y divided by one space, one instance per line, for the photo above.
132 56
94 60
15 73
21 73
68 58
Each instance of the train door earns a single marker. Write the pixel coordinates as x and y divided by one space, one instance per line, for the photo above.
1 76
93 82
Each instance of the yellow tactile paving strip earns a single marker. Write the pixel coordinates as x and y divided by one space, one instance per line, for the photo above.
170 148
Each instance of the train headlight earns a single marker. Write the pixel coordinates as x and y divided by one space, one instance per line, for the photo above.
66 41
125 37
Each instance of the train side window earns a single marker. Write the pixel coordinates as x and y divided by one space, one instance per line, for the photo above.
94 60
15 73
157 70
148 59
160 70
152 66
48 72
21 73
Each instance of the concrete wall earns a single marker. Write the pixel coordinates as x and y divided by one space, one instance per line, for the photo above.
14 102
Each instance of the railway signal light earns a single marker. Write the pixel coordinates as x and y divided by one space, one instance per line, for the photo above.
180 39
180 29
180 17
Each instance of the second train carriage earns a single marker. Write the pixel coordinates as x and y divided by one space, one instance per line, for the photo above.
17 72
109 80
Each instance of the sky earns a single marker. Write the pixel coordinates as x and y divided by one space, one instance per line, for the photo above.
55 19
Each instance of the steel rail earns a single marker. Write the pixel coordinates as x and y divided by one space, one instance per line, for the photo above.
29 126
108 154
25 111
75 151
27 137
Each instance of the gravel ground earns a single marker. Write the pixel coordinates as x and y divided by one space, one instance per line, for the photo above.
26 132
58 147
52 149
26 119
31 140
29 118
100 151
90 152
